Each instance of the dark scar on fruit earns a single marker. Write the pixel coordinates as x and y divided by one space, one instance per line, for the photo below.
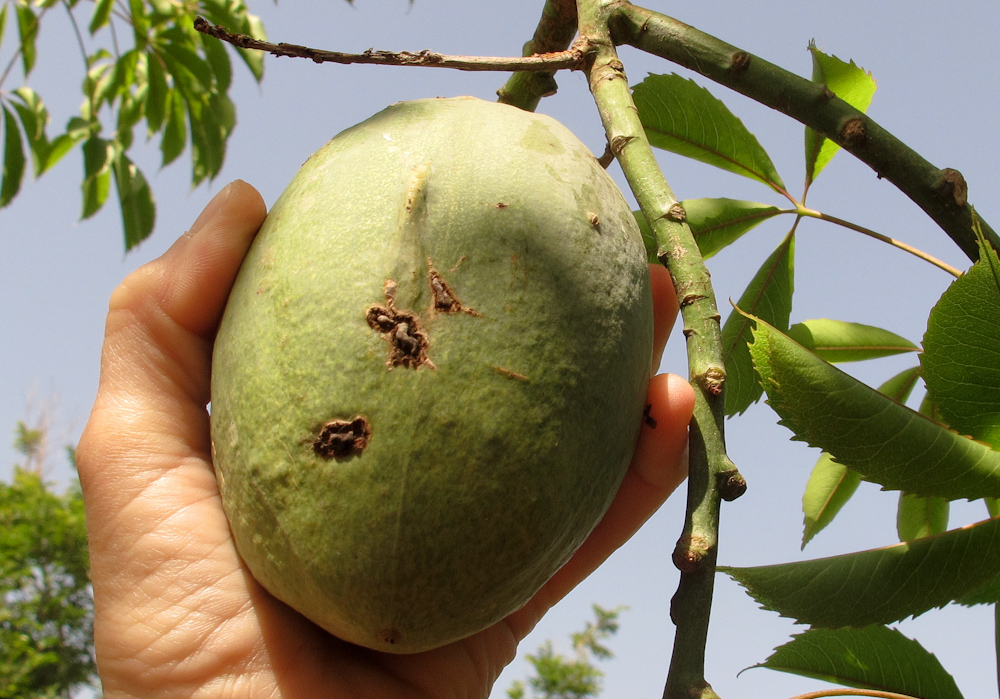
647 418
407 341
445 300
339 439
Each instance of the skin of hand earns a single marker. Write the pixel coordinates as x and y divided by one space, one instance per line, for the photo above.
177 613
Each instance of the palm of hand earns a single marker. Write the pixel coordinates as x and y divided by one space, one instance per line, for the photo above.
177 614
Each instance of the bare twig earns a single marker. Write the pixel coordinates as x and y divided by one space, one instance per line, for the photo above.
571 59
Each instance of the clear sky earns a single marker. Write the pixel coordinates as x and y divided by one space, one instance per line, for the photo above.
938 77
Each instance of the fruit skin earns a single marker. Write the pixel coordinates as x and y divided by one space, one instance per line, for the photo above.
431 372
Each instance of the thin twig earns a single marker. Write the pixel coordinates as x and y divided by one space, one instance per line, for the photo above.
571 59
876 693
812 213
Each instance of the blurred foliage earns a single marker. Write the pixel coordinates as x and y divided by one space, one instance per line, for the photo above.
46 619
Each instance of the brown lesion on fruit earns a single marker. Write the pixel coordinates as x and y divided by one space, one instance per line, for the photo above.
510 373
443 296
339 439
407 341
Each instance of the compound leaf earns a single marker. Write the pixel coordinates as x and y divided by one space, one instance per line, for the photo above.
682 117
136 199
13 159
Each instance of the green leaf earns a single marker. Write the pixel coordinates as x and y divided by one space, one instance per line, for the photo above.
218 60
34 117
684 118
13 159
770 295
840 341
848 82
832 484
27 30
873 657
879 586
885 441
718 222
3 21
96 175
101 15
192 73
175 130
918 517
829 488
961 359
136 199
156 95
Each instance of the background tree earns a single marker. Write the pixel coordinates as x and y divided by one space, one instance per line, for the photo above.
46 619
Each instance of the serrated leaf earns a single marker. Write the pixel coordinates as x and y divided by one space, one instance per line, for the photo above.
840 341
684 118
885 441
918 517
873 657
848 82
27 31
832 484
13 159
136 199
101 15
96 175
879 586
716 223
770 294
961 358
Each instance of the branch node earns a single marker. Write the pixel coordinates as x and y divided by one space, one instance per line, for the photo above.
951 187
853 132
739 62
731 484
677 212
689 553
712 379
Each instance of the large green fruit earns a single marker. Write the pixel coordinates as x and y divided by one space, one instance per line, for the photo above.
431 372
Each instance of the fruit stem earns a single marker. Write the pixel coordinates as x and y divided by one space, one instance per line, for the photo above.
941 193
555 31
696 551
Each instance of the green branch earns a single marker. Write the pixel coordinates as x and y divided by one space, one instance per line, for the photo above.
941 193
554 32
712 476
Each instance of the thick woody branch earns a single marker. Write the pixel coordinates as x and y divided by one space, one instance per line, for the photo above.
571 59
555 32
941 192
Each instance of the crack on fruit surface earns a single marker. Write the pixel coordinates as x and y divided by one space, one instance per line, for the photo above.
407 342
444 297
339 439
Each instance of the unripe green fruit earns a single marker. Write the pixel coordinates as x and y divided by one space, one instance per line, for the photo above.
431 372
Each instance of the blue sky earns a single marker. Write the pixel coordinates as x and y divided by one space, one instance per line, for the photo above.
938 79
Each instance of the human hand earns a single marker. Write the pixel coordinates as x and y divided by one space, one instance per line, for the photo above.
177 613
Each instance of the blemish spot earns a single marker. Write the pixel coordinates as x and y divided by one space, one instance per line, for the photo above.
501 205
444 297
339 439
511 374
389 635
594 219
407 342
